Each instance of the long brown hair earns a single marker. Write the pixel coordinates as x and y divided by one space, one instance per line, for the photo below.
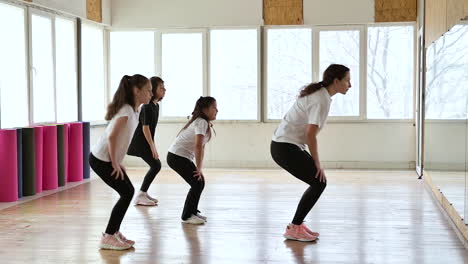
202 103
124 94
155 81
334 71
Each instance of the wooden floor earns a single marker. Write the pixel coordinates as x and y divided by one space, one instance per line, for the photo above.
452 185
363 217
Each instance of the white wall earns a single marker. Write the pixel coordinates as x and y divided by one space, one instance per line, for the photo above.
329 12
341 145
202 13
185 13
76 7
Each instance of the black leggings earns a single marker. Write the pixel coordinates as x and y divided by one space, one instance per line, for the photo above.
185 168
302 166
155 167
124 187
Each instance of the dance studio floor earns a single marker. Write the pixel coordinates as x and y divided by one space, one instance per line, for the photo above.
363 217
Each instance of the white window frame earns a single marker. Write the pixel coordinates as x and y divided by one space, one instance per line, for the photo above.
259 73
106 69
37 12
108 52
159 66
265 68
75 22
415 72
262 105
27 56
362 61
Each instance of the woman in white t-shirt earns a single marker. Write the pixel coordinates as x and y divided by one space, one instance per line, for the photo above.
190 144
107 155
299 128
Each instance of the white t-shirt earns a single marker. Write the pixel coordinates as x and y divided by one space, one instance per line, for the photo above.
101 149
310 109
184 144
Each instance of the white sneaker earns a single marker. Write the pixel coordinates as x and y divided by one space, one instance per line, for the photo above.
151 198
194 220
204 218
141 199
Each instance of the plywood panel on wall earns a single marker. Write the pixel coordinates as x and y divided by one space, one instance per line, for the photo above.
436 20
94 10
283 12
395 10
466 9
455 12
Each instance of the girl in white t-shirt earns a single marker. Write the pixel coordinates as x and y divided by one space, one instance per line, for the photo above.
107 155
190 144
299 128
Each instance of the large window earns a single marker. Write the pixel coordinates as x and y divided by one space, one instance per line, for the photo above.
182 72
130 53
289 64
42 69
93 84
447 75
13 70
65 47
234 73
390 72
342 47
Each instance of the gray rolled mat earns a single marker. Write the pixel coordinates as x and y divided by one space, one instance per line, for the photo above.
61 154
86 150
29 161
19 151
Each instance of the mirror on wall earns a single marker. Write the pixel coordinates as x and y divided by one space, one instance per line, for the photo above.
446 100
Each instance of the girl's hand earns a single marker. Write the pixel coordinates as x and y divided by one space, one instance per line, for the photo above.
198 174
154 152
118 171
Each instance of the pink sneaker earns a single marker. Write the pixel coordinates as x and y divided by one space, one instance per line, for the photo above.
113 242
124 239
315 234
296 232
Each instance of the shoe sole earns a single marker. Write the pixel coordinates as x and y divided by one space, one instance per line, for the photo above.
191 223
298 239
110 247
137 204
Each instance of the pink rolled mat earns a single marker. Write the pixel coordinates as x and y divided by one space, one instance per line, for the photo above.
39 146
75 152
50 159
66 128
8 166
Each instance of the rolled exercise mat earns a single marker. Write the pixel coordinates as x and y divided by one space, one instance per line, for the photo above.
61 154
86 149
50 168
8 166
29 162
19 160
38 141
75 151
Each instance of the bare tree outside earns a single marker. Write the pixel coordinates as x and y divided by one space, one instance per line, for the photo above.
342 47
447 75
289 67
390 71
